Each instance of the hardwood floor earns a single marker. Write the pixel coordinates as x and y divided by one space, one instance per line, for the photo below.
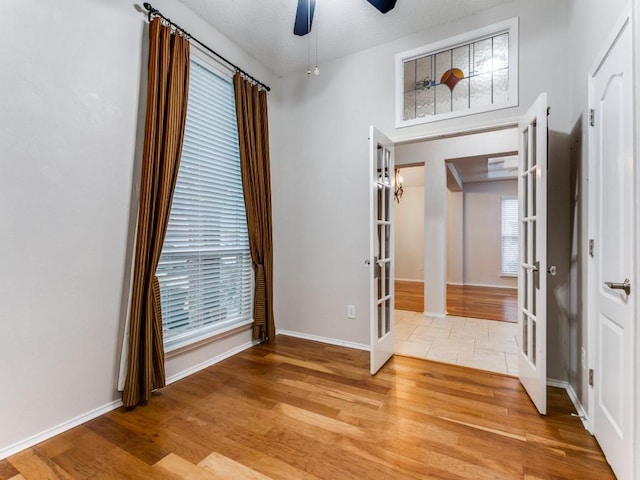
483 302
305 410
409 296
463 301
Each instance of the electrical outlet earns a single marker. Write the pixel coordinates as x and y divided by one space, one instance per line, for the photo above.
583 358
351 311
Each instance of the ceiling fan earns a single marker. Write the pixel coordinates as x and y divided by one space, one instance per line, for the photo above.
306 9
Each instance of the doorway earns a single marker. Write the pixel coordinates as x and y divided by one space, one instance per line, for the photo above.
472 328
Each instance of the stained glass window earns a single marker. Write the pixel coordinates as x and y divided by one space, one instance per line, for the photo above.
464 77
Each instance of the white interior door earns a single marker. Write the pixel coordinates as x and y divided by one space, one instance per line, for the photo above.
611 266
381 168
532 278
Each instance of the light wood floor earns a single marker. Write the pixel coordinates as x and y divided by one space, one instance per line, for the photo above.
463 301
305 410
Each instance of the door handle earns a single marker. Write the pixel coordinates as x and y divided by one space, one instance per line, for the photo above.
552 270
626 286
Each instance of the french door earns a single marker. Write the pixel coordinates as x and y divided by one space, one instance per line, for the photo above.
381 248
532 278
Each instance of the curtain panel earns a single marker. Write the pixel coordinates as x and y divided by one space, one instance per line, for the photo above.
253 135
167 92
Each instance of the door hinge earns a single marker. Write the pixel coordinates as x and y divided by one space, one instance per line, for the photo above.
591 247
592 117
591 377
548 111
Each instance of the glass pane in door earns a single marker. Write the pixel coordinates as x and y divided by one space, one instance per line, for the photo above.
387 277
387 316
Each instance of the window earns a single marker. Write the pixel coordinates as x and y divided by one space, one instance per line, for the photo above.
471 73
509 236
205 270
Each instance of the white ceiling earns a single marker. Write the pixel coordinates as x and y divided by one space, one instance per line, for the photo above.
264 28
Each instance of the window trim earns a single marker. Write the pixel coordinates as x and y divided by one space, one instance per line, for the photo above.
211 335
507 26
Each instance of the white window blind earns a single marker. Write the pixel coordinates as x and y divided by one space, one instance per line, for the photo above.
205 270
509 236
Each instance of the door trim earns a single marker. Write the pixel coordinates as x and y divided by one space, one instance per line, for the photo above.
626 20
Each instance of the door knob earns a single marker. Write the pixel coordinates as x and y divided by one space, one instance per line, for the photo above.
626 286
552 270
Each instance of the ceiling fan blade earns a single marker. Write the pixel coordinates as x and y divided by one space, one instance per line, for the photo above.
383 5
304 19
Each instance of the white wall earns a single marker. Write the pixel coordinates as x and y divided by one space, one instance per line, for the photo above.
320 162
70 83
483 232
409 235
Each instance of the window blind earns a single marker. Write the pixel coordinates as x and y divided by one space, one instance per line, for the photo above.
205 270
509 236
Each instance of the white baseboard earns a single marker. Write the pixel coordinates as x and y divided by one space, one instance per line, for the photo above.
79 420
455 283
58 429
582 414
212 361
330 341
420 280
436 315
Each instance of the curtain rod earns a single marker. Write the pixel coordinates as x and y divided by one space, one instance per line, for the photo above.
154 12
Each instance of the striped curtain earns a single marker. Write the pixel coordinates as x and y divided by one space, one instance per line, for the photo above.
167 91
253 135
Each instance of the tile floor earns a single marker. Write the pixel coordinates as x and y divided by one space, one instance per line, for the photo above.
483 344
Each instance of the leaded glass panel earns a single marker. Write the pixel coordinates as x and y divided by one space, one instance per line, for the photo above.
425 102
460 95
468 76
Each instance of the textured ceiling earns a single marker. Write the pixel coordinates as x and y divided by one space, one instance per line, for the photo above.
264 28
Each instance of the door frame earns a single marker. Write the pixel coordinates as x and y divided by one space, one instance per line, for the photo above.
477 129
630 18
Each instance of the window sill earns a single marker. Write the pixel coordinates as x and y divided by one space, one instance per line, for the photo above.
184 345
509 275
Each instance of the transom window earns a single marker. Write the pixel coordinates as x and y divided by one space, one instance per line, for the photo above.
205 270
467 74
